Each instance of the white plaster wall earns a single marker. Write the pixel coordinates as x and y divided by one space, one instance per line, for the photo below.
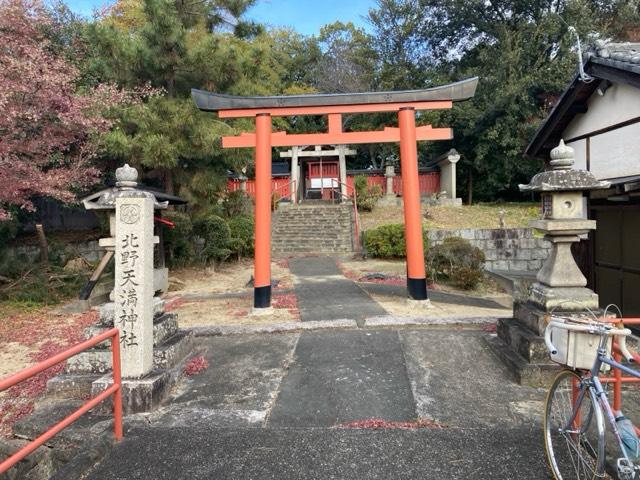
616 153
620 103
580 147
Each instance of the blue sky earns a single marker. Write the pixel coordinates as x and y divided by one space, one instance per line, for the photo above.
305 16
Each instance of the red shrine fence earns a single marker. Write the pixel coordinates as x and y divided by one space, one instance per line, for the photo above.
429 184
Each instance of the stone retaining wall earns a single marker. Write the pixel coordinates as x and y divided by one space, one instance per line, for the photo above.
504 248
89 250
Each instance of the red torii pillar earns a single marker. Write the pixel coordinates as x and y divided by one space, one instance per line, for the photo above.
416 274
262 233
334 106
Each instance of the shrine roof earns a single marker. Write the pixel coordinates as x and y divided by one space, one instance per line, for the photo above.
458 91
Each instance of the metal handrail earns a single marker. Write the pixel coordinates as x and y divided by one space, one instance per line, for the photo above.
292 188
115 390
355 206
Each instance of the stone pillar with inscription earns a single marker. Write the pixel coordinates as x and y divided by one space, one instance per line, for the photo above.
134 289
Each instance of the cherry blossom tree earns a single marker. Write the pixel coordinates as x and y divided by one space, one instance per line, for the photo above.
47 127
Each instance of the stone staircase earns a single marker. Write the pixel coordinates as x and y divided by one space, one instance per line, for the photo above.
313 227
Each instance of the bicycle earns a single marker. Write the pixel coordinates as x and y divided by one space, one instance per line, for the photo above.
574 422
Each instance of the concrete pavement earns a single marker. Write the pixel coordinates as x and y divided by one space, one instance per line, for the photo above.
268 407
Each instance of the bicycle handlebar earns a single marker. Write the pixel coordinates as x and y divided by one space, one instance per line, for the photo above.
594 329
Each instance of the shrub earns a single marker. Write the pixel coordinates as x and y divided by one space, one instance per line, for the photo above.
177 241
458 261
235 204
387 241
241 233
44 287
367 196
8 231
216 235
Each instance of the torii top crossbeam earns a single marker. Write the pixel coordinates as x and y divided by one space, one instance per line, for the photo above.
405 103
335 105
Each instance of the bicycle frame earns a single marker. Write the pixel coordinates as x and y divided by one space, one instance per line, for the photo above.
593 385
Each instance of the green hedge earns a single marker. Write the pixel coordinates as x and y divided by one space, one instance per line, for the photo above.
387 241
241 241
455 261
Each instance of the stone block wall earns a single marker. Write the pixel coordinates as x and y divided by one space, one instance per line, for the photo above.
504 248
89 250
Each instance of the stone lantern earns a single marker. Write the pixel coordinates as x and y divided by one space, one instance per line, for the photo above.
389 175
560 285
447 163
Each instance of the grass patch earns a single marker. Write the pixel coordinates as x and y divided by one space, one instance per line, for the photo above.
482 215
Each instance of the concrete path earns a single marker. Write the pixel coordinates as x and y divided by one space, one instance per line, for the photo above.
268 406
207 453
342 376
325 294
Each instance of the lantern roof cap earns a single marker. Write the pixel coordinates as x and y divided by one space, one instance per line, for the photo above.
562 177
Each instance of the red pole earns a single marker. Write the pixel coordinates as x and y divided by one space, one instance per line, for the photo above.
262 261
575 392
416 275
617 386
117 380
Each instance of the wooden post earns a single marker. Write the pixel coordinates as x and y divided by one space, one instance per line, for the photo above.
262 262
44 247
295 174
416 275
342 157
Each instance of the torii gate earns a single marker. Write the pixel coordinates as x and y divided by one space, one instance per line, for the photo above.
341 151
405 103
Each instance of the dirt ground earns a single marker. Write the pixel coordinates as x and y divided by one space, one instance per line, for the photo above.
206 297
26 338
356 269
474 216
399 307
228 278
235 311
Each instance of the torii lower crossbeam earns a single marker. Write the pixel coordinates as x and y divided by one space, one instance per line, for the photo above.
388 135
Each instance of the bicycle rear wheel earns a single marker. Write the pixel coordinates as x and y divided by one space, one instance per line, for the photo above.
576 453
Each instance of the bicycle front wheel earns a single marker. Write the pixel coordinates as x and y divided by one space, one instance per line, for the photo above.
575 450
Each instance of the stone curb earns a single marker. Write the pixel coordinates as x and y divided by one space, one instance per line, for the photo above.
423 321
284 327
372 322
82 463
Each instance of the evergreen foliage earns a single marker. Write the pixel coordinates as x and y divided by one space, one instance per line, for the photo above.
367 196
387 241
521 50
157 50
457 261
